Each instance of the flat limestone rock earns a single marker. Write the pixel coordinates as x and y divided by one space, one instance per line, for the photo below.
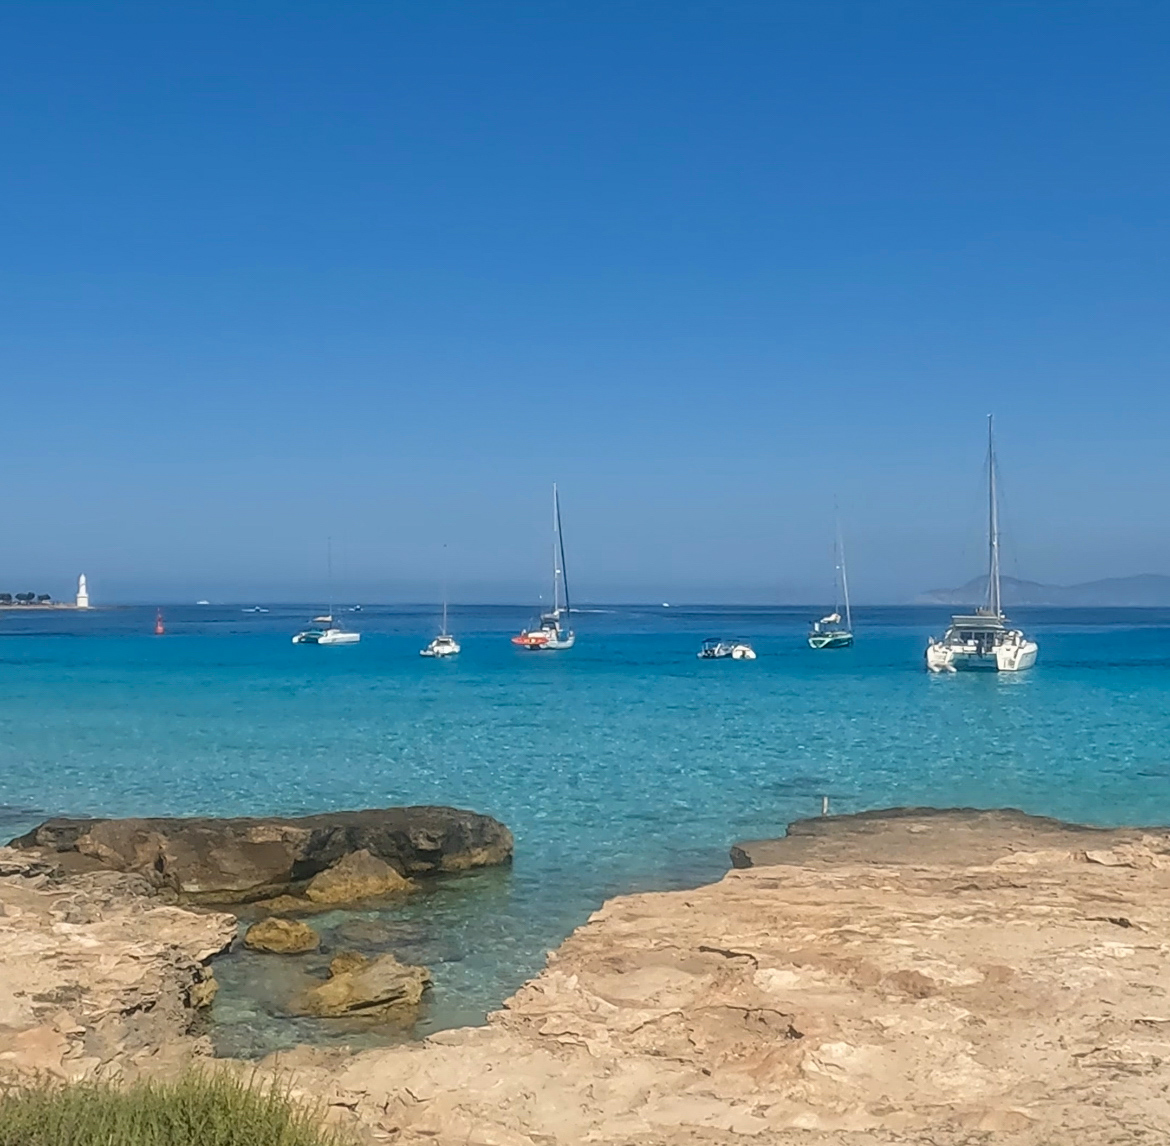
924 835
97 976
982 981
356 876
380 986
240 860
281 937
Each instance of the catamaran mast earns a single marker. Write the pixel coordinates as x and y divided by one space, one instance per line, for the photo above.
994 606
559 576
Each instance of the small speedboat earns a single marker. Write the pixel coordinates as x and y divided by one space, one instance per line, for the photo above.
444 645
255 609
326 632
715 649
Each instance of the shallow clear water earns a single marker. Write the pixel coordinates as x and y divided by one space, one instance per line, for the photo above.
624 764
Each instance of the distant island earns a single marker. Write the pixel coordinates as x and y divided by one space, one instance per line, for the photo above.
1144 590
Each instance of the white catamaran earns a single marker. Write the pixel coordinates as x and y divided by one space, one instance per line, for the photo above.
549 635
828 632
444 645
984 641
327 629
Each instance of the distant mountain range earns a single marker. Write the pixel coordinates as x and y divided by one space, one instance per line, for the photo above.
1146 589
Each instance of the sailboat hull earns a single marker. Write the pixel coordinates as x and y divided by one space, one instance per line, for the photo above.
830 640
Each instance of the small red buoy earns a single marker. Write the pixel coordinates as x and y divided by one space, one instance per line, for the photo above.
158 624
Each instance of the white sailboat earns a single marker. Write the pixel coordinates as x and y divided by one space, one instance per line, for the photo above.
549 635
327 629
444 645
828 632
984 641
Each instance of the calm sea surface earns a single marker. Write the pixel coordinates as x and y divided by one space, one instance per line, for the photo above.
624 764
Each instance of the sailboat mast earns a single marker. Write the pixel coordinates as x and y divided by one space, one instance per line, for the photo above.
844 578
329 571
559 552
994 605
445 593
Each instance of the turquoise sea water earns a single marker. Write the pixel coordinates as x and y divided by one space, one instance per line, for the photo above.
624 764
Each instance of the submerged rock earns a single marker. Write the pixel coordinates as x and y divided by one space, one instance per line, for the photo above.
356 876
239 860
281 937
346 961
380 986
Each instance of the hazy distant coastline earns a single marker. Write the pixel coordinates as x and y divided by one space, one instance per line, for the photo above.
1145 589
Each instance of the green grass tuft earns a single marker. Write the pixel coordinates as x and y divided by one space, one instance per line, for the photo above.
214 1110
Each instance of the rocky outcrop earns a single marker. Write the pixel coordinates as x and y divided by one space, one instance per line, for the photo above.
360 986
240 860
97 977
281 937
964 979
354 877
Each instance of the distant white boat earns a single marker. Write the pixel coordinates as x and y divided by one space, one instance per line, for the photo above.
549 635
202 602
984 640
829 632
254 609
326 632
326 629
444 645
715 649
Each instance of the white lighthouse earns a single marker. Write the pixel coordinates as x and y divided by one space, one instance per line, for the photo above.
82 593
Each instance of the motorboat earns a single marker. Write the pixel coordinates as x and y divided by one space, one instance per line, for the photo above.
715 649
549 635
984 640
326 631
832 631
444 645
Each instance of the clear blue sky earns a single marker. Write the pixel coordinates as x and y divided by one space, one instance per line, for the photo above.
386 270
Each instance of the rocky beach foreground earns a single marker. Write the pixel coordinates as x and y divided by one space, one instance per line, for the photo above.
915 976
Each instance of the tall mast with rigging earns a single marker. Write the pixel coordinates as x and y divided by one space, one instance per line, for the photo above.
994 603
560 579
844 576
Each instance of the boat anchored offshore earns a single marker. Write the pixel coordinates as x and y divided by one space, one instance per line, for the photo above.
985 640
829 632
548 635
444 645
326 629
715 649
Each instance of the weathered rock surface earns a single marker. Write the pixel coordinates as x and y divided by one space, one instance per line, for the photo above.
953 980
238 860
360 986
97 977
356 876
281 937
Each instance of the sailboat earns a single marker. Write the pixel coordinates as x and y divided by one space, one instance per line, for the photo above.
444 645
829 632
326 629
984 641
549 635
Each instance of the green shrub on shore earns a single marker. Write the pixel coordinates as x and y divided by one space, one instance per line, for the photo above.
198 1110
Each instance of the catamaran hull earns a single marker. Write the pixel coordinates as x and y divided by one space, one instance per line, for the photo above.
1005 658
